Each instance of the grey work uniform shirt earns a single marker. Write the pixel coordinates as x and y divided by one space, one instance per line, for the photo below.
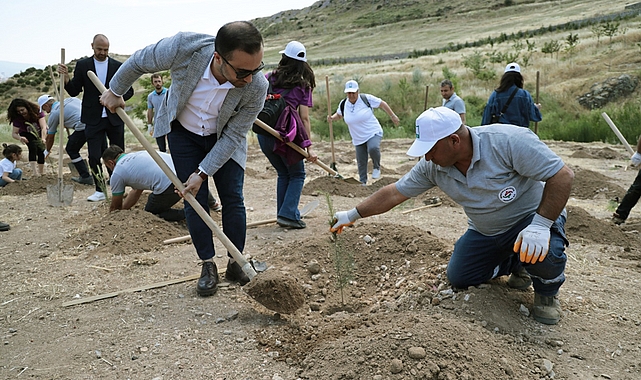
503 183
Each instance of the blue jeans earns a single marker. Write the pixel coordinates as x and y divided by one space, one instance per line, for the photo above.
478 258
291 178
630 199
187 152
372 148
15 175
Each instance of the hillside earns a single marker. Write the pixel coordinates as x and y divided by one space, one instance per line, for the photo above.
395 48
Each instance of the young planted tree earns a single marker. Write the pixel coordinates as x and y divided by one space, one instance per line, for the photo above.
343 259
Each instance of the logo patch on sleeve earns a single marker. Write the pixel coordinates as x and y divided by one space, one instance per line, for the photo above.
508 194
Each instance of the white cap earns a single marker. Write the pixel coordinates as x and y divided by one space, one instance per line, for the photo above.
42 100
351 86
513 67
431 126
295 50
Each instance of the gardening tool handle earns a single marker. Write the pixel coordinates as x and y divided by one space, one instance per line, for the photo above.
61 121
536 123
618 133
300 150
329 113
238 257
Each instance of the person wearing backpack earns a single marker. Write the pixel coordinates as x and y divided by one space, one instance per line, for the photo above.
358 112
510 103
294 80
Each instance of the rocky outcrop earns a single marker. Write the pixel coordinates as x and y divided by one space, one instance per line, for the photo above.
608 91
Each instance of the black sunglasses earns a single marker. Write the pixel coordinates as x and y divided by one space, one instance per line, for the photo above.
242 74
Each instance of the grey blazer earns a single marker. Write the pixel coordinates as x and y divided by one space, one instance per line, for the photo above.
187 55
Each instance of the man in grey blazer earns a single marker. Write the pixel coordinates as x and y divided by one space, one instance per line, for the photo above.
217 91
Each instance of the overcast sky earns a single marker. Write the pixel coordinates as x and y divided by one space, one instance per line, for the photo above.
33 31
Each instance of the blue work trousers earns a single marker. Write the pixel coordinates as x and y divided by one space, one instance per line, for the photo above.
478 258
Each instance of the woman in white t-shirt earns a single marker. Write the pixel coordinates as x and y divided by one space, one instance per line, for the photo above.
363 126
10 173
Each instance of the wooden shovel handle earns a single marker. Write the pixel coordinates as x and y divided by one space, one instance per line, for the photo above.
290 144
240 259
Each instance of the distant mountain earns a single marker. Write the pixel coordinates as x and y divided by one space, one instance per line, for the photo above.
8 69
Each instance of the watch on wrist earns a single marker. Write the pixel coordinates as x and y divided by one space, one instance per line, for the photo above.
201 174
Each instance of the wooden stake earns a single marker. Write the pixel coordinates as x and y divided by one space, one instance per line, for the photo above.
422 207
131 290
427 90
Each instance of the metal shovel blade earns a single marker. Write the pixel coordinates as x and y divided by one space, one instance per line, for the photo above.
59 195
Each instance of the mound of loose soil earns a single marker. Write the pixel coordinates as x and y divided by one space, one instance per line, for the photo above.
590 185
122 232
607 153
36 185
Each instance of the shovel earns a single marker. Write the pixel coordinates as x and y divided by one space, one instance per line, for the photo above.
300 150
60 194
282 295
331 129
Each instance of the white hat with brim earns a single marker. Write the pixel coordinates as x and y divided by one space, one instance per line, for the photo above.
42 100
513 67
295 50
351 86
431 126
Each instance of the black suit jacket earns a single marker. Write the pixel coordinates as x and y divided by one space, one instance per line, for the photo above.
91 107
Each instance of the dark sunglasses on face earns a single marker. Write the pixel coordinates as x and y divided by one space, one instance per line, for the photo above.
242 74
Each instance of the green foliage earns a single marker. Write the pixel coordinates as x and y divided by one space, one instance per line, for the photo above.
571 42
476 64
551 47
449 74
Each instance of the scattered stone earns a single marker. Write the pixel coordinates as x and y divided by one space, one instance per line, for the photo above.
314 306
524 310
396 366
546 366
416 352
368 239
98 354
313 267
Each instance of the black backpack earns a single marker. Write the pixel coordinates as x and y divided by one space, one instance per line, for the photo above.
341 105
275 104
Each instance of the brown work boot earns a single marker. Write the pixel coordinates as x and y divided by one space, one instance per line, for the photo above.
208 281
519 279
547 309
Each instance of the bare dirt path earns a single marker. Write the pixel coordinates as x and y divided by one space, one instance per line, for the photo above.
396 319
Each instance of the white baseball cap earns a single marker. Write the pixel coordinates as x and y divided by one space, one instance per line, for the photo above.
431 126
43 99
295 50
513 67
351 86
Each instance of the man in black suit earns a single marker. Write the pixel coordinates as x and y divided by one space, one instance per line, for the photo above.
100 123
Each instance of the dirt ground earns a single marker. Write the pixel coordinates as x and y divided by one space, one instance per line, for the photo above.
394 317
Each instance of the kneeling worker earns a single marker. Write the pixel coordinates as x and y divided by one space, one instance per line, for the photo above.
139 171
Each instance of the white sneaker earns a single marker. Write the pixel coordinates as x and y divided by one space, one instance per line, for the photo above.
96 197
376 173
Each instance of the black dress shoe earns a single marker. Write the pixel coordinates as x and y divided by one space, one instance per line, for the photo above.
208 282
4 227
288 223
235 273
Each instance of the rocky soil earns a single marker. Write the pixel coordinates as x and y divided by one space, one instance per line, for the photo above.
377 303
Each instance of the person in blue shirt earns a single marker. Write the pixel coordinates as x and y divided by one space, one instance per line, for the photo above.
154 102
520 110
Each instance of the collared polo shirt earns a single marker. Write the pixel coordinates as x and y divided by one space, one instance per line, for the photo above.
503 183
